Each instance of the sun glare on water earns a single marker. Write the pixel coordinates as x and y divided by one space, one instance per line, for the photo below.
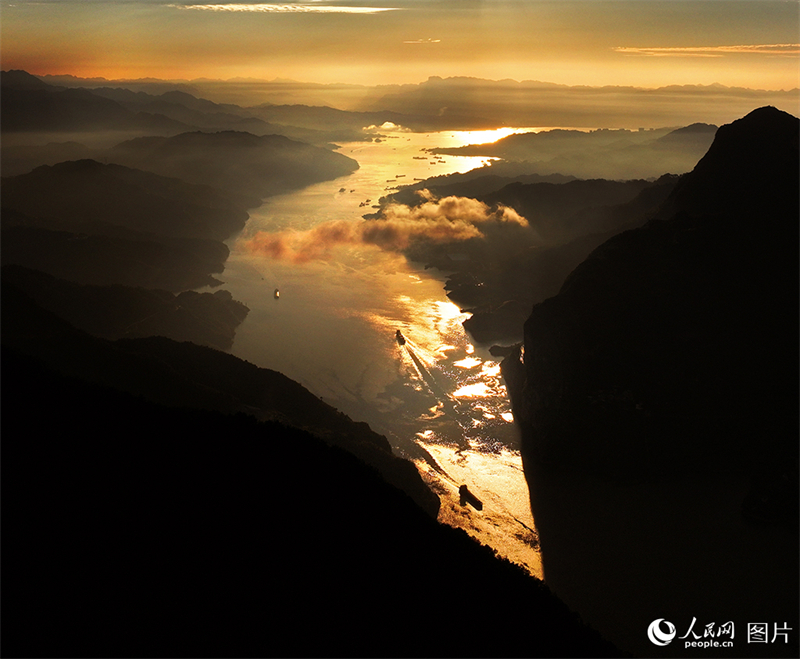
402 360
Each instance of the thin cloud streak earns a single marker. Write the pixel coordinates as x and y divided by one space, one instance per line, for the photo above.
286 8
781 49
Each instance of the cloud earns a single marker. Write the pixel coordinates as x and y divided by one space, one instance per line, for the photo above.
424 41
451 219
387 126
784 49
286 8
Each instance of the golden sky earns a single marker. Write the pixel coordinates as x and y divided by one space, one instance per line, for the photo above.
647 43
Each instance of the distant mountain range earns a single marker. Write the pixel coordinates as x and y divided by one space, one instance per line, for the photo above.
294 108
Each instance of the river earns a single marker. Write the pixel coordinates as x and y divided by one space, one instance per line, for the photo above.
437 396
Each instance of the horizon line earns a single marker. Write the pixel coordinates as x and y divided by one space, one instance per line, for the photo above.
279 80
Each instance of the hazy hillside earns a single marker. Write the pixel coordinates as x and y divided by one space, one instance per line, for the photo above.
620 154
79 194
117 311
235 161
98 224
110 255
28 104
501 274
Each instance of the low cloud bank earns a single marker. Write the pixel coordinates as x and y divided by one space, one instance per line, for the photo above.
437 221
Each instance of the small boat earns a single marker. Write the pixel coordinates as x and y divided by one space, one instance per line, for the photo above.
401 340
467 497
277 293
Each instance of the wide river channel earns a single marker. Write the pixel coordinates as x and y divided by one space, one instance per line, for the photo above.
439 398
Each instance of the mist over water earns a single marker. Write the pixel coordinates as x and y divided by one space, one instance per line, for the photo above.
438 398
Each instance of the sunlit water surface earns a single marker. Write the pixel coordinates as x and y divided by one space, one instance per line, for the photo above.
438 398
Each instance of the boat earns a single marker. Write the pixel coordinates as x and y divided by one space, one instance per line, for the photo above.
467 497
401 340
277 293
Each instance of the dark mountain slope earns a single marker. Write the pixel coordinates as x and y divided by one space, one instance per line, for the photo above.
506 275
133 529
105 255
658 402
85 191
114 312
91 223
191 376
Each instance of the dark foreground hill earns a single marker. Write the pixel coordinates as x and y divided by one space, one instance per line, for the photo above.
185 375
658 402
133 528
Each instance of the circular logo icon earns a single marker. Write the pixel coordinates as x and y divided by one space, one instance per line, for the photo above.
657 635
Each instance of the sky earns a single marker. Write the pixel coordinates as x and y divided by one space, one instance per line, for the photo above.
644 43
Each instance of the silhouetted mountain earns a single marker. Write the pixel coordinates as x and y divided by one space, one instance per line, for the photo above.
562 212
747 170
81 193
17 79
91 223
191 376
476 183
498 278
658 403
21 159
134 529
114 312
28 104
235 161
104 254
189 110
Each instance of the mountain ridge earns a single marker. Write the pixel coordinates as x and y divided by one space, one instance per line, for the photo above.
659 390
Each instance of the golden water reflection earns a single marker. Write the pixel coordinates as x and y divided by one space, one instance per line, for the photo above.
505 521
470 438
437 397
